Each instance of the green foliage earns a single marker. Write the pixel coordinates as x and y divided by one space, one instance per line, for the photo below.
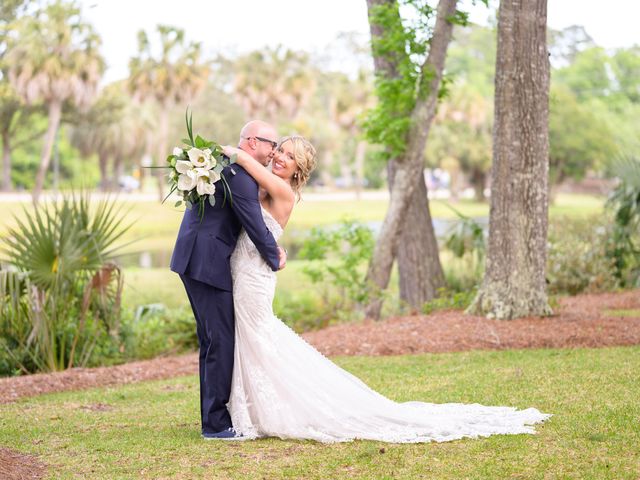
61 291
448 299
624 245
337 259
577 259
465 240
389 121
303 311
154 330
579 139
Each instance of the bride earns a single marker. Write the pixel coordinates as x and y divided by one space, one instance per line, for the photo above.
283 387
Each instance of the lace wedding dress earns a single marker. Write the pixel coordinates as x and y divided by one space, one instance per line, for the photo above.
283 387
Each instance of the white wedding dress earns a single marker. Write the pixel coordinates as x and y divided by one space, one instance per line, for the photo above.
283 387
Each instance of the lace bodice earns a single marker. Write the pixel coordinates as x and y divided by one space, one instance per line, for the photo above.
246 252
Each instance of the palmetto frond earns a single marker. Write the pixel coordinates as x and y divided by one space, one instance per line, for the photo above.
56 243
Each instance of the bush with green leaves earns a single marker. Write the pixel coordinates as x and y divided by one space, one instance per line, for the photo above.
152 330
302 311
577 259
337 266
60 289
466 242
624 202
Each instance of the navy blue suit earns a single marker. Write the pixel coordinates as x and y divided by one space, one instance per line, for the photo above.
201 258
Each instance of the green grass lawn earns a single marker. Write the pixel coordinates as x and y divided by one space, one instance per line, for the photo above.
155 225
160 285
151 430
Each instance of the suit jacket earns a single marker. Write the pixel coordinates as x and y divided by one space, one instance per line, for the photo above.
203 248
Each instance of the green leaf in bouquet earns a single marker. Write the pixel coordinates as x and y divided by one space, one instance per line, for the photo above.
189 119
178 203
233 159
173 189
186 141
212 200
218 168
227 190
200 142
201 208
188 204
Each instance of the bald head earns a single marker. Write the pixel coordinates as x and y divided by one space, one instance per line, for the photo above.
256 138
260 129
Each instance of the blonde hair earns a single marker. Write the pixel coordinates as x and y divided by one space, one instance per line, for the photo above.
304 155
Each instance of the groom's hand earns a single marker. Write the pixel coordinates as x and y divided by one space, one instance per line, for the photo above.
283 257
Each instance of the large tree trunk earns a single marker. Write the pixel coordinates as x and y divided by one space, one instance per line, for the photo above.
514 280
410 166
103 164
55 113
162 153
118 171
7 185
418 256
478 179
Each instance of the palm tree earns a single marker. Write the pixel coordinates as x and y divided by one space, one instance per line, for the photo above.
12 108
349 99
273 84
54 59
175 77
114 129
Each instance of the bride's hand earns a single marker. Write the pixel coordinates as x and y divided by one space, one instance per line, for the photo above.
230 151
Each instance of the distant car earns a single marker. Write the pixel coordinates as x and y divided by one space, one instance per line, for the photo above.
128 183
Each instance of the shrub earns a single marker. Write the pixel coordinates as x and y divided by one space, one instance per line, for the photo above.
466 242
624 202
337 266
154 330
60 290
577 258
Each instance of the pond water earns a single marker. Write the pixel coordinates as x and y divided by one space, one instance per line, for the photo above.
161 258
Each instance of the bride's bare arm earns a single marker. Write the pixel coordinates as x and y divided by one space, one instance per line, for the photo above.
275 186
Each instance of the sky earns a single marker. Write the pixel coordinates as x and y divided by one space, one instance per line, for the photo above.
237 26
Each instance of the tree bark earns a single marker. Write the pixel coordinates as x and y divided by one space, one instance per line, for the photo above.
162 150
408 169
514 281
419 267
103 163
7 185
55 113
478 179
118 170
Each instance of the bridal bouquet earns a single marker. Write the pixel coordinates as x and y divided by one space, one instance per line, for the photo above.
195 168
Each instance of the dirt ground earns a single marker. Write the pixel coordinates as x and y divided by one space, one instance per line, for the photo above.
18 466
580 321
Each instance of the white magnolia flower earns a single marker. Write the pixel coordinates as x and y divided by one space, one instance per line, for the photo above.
177 151
200 158
187 180
183 166
213 176
204 187
202 172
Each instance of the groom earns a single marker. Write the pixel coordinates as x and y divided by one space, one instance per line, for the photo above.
201 258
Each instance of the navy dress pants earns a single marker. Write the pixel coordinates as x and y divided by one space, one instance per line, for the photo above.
213 311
